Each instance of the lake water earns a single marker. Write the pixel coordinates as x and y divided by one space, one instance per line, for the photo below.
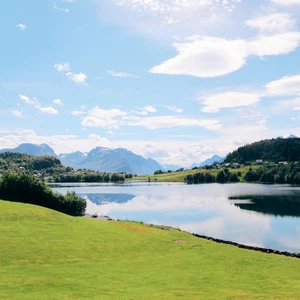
250 214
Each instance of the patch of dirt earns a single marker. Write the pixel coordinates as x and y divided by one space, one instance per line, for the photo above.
196 247
180 241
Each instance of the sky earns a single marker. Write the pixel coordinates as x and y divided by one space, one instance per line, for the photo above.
174 80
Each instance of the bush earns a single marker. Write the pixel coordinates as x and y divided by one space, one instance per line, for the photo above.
23 187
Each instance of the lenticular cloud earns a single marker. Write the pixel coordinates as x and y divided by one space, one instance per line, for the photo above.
173 6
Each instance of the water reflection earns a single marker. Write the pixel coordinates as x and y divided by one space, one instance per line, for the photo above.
277 205
205 209
107 198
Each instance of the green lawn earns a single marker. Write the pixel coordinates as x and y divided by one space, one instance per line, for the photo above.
48 255
179 176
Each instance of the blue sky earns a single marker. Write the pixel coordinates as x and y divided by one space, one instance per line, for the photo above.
174 80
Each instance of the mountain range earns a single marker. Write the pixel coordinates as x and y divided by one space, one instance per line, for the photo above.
32 149
209 161
106 160
98 159
110 160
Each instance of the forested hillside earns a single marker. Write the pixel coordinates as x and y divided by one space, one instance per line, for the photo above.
268 150
10 161
50 169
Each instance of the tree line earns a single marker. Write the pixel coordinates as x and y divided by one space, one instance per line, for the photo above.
275 174
25 188
223 176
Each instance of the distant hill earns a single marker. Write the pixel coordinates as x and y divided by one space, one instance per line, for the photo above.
208 162
278 149
111 160
32 149
11 161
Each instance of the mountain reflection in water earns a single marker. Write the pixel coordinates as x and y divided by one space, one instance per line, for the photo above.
107 198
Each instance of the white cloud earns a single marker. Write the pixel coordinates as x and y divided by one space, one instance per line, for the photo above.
278 44
120 74
171 121
149 109
173 108
287 105
35 102
211 56
48 110
174 12
57 102
98 117
287 2
16 113
278 22
218 101
205 57
65 10
79 78
145 110
21 26
63 67
288 85
27 99
77 113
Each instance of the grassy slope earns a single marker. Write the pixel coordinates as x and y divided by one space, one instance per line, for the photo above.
48 255
179 176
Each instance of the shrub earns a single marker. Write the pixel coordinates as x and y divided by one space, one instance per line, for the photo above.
23 187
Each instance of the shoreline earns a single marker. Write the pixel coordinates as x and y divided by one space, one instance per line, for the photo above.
219 241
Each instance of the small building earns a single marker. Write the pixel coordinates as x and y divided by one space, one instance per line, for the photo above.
236 165
283 163
259 162
227 165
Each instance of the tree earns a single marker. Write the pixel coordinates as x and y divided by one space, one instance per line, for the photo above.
23 187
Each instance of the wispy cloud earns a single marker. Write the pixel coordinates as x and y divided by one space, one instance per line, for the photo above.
287 2
16 113
65 10
278 22
34 101
79 78
63 67
120 74
57 102
98 117
160 122
145 110
21 26
78 113
173 108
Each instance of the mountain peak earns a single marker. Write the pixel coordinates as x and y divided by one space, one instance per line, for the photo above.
208 162
32 149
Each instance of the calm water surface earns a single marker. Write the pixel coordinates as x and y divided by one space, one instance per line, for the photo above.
251 214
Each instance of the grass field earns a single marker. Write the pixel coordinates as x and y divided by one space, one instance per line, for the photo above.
47 255
179 176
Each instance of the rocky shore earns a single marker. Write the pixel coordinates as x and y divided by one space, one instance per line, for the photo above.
253 248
